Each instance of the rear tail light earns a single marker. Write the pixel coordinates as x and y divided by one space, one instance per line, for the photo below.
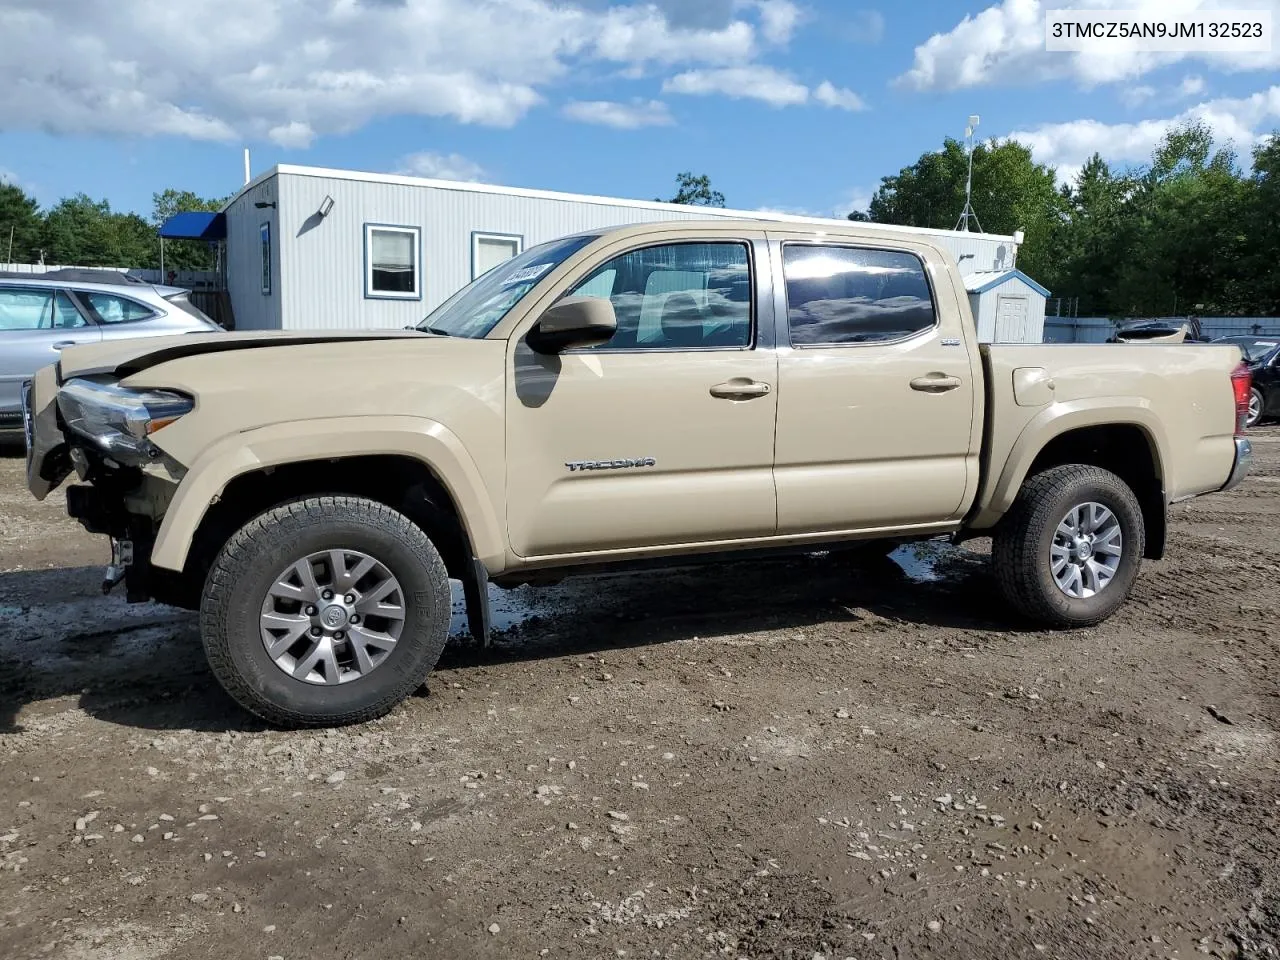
1242 385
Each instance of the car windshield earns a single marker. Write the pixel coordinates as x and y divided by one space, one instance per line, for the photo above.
478 307
1257 349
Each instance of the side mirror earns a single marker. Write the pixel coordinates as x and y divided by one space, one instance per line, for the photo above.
573 322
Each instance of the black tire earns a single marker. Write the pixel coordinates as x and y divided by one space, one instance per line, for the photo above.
1261 401
1020 547
247 566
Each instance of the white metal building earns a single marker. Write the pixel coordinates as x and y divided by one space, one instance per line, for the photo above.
336 249
1007 305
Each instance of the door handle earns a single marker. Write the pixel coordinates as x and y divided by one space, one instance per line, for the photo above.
740 388
935 383
64 343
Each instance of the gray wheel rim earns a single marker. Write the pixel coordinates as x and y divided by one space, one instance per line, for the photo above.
1255 407
1086 550
332 617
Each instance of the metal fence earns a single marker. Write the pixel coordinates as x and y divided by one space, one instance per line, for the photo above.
1100 329
191 279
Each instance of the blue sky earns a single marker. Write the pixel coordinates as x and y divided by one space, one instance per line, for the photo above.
798 105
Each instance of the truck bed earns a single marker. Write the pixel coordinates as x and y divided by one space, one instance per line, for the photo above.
1178 397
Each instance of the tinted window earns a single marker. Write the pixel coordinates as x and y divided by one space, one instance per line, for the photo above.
852 295
108 308
28 309
676 296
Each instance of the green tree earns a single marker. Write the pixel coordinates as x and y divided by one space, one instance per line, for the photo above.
1262 224
78 230
1185 231
20 225
86 232
1010 192
695 190
184 254
1092 243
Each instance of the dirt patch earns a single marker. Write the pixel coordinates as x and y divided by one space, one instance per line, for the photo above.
782 759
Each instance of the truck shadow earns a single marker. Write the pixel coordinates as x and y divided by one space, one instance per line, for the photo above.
143 665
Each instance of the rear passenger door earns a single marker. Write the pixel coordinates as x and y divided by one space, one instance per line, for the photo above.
35 324
663 435
876 402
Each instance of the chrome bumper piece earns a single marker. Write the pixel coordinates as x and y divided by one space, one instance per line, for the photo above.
1244 460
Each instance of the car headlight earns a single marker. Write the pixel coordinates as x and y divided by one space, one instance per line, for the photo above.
119 420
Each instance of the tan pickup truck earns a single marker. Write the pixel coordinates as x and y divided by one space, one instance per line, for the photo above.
657 392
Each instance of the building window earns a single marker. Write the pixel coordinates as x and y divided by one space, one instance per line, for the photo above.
680 296
264 235
391 258
490 249
838 295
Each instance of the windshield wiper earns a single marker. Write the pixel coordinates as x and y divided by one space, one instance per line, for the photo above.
438 331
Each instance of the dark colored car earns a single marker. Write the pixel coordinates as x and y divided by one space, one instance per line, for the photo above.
1160 330
1263 356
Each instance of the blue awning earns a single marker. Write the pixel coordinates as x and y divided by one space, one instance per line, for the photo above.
195 226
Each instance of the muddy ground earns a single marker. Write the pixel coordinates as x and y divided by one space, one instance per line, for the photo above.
786 759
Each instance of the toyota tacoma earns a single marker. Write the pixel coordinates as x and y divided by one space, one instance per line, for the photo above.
653 393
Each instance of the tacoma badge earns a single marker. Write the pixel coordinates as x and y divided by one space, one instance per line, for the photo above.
575 465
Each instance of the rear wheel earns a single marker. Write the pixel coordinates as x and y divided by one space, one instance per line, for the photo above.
1068 552
1255 408
325 611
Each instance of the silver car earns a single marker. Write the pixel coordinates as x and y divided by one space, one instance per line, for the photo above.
41 314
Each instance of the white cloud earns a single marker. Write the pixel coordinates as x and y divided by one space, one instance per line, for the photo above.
865 26
760 82
442 166
1005 45
294 134
1192 85
859 198
622 116
290 71
639 34
778 20
830 95
756 82
1136 96
1243 121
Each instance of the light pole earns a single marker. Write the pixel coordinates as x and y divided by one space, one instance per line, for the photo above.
967 213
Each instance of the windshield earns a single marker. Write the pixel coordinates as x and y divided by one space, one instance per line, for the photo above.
1257 349
478 307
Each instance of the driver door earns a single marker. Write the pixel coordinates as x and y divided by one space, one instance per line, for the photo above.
664 434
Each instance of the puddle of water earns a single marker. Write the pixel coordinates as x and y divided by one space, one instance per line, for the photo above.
920 561
507 608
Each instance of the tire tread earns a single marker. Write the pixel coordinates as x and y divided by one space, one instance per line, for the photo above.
257 535
1015 550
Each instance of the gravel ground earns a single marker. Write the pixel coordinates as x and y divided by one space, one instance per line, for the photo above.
786 759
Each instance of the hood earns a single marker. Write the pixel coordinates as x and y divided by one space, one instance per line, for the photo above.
123 358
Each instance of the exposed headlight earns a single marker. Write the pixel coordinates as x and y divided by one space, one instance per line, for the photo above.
117 419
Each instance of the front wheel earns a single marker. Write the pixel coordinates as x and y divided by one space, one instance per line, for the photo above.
325 611
1068 552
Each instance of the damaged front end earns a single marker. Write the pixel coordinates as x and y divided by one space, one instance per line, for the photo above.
102 430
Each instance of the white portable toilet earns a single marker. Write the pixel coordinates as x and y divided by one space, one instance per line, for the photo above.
1007 305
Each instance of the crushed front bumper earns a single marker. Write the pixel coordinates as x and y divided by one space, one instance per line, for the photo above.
1244 460
48 457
